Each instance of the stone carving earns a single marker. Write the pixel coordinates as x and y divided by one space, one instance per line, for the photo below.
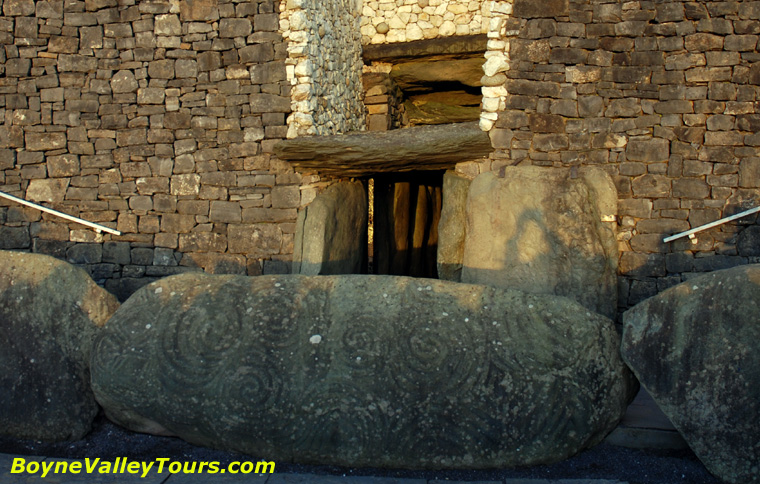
362 370
331 232
50 312
695 349
544 231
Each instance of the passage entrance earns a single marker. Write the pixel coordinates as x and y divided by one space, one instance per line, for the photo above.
406 211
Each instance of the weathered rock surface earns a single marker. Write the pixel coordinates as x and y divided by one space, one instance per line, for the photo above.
50 312
543 231
368 153
451 228
362 370
331 232
696 348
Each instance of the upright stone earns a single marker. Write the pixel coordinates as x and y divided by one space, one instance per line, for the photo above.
50 312
696 348
544 231
451 228
331 232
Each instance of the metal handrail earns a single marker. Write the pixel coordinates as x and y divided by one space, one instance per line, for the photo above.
691 232
66 216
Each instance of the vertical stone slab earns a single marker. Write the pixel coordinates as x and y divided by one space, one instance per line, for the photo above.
331 233
544 231
451 228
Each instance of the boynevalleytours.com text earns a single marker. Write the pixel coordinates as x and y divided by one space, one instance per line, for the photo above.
122 465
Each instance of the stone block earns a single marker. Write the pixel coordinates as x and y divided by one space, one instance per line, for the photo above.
167 24
202 242
257 53
17 67
48 190
269 103
255 239
15 8
14 238
151 95
648 150
695 188
749 173
546 123
178 223
651 186
225 212
548 8
268 22
184 68
116 253
188 184
161 69
235 27
77 63
123 82
286 197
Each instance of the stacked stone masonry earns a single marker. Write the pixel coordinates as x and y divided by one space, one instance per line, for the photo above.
662 95
390 21
159 118
324 66
155 118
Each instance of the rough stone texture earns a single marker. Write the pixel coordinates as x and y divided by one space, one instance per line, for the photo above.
362 370
358 154
324 66
694 348
384 23
544 232
451 228
331 232
134 114
50 312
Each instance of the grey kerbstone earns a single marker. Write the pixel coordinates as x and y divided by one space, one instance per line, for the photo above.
329 232
362 370
695 349
541 231
50 312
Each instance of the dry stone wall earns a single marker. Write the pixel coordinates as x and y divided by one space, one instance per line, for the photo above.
664 97
156 118
390 21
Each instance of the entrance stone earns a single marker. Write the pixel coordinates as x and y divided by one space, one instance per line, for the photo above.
360 370
544 231
331 233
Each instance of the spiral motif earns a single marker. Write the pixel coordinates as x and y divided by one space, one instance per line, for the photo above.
364 352
338 419
194 343
433 356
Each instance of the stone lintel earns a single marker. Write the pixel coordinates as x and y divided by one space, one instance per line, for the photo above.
369 152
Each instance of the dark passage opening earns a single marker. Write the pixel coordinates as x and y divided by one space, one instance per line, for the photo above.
405 212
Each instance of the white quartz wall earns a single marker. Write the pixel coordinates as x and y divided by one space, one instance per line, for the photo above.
389 21
324 66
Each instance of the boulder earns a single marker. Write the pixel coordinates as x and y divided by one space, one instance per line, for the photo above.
331 232
544 231
359 370
50 312
696 348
